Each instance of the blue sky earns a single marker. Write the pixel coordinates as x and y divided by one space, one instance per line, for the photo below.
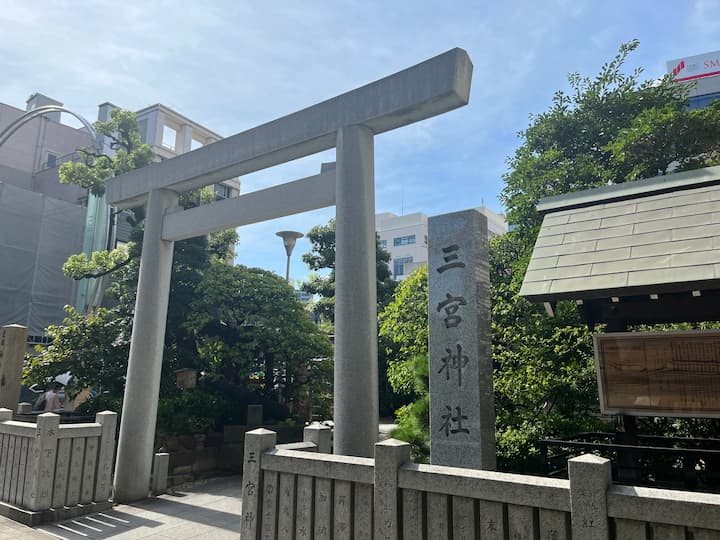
231 65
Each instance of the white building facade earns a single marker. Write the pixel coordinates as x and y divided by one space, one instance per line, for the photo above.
405 238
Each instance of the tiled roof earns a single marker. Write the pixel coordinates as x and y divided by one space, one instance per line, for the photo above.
647 243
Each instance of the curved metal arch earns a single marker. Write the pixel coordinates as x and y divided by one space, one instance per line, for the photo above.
6 133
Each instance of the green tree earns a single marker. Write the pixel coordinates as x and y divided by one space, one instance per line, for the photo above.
404 334
109 330
608 129
93 172
93 347
404 326
322 257
248 324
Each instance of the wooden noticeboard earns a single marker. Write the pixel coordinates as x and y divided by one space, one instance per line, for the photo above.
659 374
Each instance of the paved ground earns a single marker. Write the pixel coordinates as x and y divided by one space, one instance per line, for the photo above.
209 509
11 530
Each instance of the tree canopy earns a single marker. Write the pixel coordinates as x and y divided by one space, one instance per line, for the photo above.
322 257
606 129
241 328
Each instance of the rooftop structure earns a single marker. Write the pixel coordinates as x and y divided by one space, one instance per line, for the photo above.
645 251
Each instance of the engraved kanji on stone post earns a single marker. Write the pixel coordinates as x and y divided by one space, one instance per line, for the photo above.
462 412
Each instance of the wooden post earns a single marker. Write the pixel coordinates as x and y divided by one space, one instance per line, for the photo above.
256 443
389 455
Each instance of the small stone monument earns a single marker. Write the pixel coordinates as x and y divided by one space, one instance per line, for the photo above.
254 415
12 353
462 411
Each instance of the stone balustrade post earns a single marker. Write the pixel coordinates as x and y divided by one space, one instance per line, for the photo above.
389 456
319 435
106 453
5 414
41 462
590 477
256 443
161 464
24 408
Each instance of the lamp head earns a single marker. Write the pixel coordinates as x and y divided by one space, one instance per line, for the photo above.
289 238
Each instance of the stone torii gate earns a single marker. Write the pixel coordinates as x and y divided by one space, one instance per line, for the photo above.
347 122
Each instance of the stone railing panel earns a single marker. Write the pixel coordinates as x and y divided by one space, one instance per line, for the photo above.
628 504
291 493
487 485
47 470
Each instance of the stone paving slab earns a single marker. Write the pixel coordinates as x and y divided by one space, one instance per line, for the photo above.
11 530
208 509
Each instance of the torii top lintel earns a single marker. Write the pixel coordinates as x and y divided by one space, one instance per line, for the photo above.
428 89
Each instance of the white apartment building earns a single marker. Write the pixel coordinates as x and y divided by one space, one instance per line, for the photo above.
169 134
405 238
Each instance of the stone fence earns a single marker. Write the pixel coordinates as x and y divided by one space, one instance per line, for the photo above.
50 471
291 493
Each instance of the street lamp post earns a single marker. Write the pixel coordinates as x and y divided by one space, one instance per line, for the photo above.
289 238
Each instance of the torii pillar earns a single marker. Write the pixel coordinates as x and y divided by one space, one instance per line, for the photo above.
348 122
356 373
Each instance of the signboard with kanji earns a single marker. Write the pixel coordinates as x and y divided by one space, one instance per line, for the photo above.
659 374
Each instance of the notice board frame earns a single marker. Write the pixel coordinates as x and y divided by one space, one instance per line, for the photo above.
644 404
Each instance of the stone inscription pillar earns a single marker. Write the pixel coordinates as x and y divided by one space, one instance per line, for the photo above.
462 411
12 354
142 387
356 377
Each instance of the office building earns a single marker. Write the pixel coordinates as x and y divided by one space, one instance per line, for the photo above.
702 71
405 238
42 222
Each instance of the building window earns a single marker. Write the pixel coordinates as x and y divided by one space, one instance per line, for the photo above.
399 265
383 244
404 240
222 192
169 137
52 160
